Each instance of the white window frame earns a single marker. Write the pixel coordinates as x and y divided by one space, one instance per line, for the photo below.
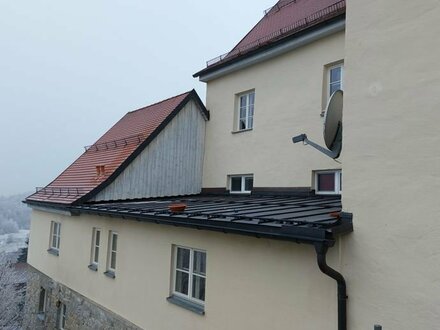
337 178
95 246
190 273
62 316
42 311
248 116
55 232
243 183
110 251
329 82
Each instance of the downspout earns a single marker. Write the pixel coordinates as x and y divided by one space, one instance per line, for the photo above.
321 251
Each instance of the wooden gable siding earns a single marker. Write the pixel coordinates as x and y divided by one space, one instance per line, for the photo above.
170 165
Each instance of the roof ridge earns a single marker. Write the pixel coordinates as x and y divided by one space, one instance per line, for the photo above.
167 99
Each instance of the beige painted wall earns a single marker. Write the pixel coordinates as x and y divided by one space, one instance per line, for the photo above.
288 101
251 283
391 162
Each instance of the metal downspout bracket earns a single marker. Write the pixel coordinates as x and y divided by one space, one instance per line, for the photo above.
321 252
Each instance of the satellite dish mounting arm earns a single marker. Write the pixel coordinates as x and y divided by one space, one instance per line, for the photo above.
303 138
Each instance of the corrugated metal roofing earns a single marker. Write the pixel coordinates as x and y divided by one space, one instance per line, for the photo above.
111 150
305 219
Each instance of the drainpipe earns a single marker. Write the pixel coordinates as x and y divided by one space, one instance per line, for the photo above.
321 251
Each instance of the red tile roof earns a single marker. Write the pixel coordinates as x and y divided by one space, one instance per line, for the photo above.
286 18
114 148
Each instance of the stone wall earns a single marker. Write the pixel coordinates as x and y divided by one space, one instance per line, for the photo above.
81 313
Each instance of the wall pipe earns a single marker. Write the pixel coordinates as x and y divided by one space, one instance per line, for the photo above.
321 251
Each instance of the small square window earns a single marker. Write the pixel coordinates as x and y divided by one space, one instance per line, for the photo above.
328 182
241 183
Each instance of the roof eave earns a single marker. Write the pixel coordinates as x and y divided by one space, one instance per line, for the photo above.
274 49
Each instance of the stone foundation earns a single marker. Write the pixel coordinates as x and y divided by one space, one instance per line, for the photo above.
81 313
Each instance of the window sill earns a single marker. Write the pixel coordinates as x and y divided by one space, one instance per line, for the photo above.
242 130
53 251
110 274
93 267
187 304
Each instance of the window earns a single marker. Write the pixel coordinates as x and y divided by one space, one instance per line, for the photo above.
55 230
42 302
246 111
241 183
96 241
335 79
62 312
189 274
112 248
328 182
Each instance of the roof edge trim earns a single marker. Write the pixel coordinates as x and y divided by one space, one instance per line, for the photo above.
272 51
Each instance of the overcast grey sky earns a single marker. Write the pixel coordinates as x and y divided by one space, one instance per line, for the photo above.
70 69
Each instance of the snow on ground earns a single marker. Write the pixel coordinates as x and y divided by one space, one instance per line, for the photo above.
13 242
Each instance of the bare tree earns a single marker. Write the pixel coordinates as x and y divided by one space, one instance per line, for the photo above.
12 290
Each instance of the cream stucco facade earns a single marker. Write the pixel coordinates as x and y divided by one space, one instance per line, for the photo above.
391 164
289 93
251 283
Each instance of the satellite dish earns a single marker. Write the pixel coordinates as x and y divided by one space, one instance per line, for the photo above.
332 127
333 123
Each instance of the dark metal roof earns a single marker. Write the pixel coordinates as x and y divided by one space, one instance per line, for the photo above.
302 219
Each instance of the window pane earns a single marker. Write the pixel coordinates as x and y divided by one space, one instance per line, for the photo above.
242 113
113 260
64 317
98 236
243 101
199 266
182 282
250 122
58 242
198 289
251 110
335 74
340 181
251 98
242 124
248 183
334 87
54 241
96 256
114 242
326 182
183 258
236 183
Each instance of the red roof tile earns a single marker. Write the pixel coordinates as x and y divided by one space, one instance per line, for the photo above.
111 150
284 19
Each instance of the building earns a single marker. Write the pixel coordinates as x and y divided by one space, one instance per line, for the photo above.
110 251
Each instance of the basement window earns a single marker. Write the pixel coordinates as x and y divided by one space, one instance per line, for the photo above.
42 302
62 315
241 184
328 182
